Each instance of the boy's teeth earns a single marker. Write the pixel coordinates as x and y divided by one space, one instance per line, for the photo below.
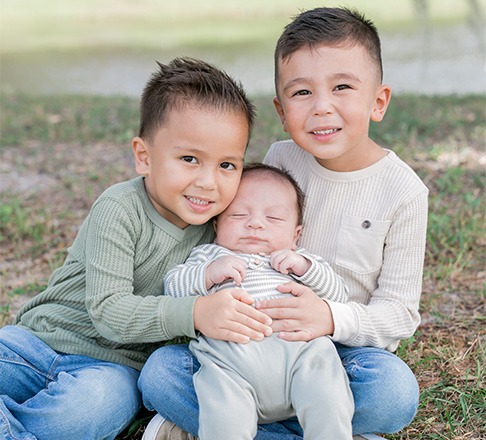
198 201
331 130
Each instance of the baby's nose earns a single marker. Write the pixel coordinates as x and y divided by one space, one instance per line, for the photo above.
254 223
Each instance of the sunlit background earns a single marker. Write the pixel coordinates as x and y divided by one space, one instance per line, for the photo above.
110 46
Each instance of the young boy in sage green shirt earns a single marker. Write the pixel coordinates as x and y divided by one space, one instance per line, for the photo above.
70 363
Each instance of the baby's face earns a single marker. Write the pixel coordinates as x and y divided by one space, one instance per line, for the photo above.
261 218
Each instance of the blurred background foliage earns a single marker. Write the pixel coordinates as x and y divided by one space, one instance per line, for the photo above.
109 46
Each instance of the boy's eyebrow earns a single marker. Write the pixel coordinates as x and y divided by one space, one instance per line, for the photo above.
346 76
294 81
199 151
336 77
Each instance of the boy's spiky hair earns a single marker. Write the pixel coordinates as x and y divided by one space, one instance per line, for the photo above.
330 27
261 169
190 81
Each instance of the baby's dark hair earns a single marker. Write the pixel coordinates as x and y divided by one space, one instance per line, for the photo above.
190 81
278 174
330 27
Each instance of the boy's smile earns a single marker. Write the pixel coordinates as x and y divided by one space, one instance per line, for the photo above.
326 99
193 164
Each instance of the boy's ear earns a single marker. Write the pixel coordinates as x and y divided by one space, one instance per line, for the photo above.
280 112
382 99
140 152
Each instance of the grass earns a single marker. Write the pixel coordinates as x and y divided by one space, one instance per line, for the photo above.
59 153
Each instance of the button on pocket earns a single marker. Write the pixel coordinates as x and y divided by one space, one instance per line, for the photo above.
366 224
360 244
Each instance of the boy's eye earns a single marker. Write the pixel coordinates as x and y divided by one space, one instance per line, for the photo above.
301 93
189 159
227 166
342 87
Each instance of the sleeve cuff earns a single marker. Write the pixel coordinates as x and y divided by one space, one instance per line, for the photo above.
345 322
179 314
311 274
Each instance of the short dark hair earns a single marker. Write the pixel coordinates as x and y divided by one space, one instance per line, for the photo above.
190 81
279 174
331 27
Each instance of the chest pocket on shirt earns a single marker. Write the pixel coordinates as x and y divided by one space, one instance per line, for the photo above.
360 244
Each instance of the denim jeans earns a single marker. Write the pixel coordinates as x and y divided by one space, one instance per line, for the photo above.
49 395
384 388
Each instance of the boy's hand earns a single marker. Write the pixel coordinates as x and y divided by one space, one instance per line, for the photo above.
228 315
287 261
225 268
302 318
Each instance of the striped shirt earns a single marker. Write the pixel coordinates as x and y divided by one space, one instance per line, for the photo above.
260 281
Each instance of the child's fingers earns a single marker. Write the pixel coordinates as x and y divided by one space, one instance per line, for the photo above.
237 269
301 335
276 304
300 318
253 319
242 329
228 315
238 275
246 320
241 333
234 337
241 295
276 260
294 288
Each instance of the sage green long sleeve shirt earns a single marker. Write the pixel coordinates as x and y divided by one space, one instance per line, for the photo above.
107 300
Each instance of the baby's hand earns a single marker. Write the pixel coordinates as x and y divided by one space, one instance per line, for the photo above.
225 268
287 261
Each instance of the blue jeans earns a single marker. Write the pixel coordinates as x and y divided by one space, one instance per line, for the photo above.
384 388
49 395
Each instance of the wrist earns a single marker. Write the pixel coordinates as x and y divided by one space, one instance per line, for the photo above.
303 267
195 313
328 319
207 279
307 265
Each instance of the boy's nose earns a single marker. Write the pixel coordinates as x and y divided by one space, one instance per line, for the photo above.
322 105
205 179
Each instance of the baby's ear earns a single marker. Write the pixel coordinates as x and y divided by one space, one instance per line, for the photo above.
141 155
297 234
382 99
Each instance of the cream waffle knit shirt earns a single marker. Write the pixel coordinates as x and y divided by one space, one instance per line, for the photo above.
370 226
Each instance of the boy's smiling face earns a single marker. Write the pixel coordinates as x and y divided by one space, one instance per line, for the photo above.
193 164
326 99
